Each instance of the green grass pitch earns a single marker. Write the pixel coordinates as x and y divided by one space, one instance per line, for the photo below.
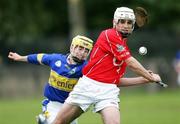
136 108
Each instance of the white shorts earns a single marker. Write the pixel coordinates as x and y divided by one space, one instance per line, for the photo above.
53 109
90 92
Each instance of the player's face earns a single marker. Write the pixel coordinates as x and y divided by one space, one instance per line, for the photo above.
124 26
81 52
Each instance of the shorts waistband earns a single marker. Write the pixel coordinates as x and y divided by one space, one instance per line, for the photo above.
54 103
98 82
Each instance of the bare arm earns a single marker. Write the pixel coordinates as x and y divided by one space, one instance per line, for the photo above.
136 67
17 57
132 81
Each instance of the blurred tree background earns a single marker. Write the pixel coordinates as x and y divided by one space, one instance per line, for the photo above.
29 23
33 26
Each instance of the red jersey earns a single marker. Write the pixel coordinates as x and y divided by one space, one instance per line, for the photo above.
106 62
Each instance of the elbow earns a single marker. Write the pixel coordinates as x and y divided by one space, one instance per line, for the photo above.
132 63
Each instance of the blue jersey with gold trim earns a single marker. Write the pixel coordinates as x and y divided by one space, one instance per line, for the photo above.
63 76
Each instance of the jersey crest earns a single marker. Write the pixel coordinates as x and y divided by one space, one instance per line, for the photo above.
58 63
119 48
73 71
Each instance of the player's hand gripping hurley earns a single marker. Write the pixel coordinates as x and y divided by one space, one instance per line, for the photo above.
160 82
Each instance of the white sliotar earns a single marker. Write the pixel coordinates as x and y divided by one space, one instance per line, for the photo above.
143 50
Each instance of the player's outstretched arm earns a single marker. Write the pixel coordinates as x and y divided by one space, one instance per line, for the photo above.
132 81
135 66
17 57
135 81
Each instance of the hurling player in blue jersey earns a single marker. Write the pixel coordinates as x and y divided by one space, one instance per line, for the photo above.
64 74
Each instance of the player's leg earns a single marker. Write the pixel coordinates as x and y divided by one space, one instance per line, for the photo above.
50 111
67 114
78 101
110 115
109 110
42 118
108 103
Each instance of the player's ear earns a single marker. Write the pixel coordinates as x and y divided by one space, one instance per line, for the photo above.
71 48
114 23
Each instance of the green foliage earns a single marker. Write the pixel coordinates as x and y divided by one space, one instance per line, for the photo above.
23 23
27 20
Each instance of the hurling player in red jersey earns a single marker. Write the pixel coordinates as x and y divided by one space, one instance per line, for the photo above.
103 73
